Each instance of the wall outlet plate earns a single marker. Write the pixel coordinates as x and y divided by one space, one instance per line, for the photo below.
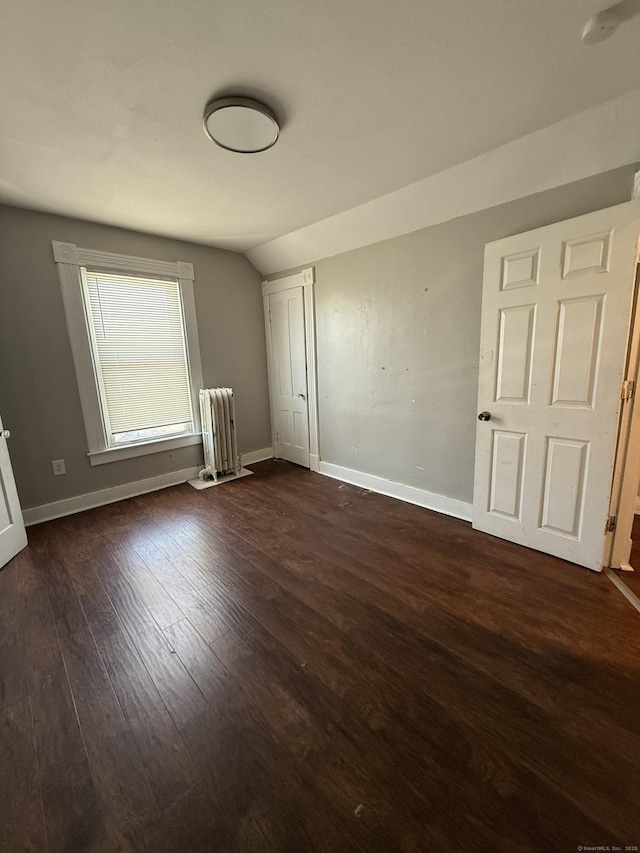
58 467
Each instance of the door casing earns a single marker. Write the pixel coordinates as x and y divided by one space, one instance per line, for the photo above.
626 469
306 280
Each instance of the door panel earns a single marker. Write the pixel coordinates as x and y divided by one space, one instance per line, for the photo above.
13 537
507 472
586 254
516 339
521 269
577 350
555 317
565 475
289 375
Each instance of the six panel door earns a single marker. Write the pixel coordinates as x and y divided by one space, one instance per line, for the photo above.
555 316
289 375
13 537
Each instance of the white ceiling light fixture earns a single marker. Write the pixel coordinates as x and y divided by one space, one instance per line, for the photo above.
242 125
603 25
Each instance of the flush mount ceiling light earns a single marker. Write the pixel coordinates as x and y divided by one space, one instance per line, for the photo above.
601 27
606 22
241 125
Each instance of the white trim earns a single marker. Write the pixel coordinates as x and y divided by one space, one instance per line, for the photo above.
113 454
74 309
268 341
409 494
631 597
256 456
589 143
194 362
69 506
312 371
626 463
69 253
70 259
297 279
306 280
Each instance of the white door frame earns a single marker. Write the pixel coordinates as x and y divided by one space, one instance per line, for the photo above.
626 468
306 280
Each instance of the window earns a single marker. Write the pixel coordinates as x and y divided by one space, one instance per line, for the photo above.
140 356
134 340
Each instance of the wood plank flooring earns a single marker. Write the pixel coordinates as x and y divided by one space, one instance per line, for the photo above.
239 668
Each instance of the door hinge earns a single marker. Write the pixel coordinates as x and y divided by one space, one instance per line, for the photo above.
610 526
628 387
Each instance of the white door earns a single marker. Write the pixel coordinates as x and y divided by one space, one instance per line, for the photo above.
13 536
289 375
555 317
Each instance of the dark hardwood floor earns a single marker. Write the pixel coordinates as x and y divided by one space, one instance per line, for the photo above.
240 668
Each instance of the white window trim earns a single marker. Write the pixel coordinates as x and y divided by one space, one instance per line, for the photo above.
70 259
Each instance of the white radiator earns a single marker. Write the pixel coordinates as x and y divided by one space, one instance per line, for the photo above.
218 417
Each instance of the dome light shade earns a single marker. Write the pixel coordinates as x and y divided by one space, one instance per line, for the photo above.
601 27
241 125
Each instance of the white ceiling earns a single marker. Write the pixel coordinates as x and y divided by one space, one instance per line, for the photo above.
101 102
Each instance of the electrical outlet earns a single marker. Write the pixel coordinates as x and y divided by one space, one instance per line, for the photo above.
59 467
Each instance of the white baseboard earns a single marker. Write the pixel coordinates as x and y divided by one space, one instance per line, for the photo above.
637 509
68 506
257 456
420 497
314 462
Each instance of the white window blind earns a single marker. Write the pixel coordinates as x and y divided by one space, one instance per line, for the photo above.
138 342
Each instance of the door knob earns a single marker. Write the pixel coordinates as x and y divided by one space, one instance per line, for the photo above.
302 396
5 433
484 416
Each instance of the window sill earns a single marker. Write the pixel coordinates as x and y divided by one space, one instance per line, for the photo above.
114 454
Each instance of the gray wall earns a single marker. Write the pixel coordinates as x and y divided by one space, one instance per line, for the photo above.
39 399
398 329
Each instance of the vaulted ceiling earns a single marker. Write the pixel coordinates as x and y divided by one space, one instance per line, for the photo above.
101 102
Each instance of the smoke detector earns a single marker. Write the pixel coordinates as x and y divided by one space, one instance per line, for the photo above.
600 27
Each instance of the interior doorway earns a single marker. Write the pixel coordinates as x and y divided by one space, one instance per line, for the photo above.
289 314
626 472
